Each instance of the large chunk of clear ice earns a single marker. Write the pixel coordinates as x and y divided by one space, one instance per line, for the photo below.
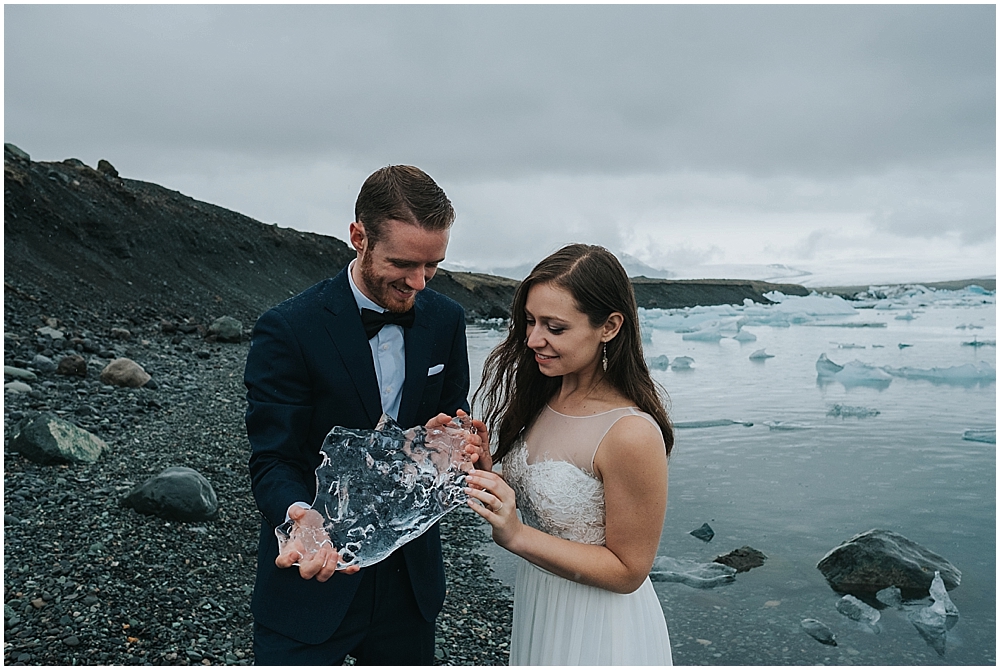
378 489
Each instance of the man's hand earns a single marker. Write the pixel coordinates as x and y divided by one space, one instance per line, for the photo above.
309 547
478 444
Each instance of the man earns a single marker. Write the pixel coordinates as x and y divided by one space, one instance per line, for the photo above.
368 341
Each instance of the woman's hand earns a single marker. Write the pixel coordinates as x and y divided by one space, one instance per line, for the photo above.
496 503
478 446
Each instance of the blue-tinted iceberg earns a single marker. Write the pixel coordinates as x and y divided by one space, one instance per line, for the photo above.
852 373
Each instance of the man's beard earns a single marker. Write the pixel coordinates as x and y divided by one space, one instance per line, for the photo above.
380 289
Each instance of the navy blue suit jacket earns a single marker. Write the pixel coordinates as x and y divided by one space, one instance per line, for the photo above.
309 369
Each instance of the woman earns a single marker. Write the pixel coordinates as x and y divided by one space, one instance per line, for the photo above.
583 438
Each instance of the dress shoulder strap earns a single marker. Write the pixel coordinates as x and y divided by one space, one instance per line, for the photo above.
561 437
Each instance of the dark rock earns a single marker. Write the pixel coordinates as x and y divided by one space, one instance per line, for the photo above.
891 597
106 168
203 354
176 494
743 559
72 365
48 440
43 363
704 533
121 334
877 559
819 631
124 372
14 152
226 329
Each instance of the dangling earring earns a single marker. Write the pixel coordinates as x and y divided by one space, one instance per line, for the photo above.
604 357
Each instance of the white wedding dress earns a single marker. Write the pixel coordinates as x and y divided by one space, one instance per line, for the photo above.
558 621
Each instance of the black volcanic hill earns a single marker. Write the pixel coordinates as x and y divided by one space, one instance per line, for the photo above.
75 235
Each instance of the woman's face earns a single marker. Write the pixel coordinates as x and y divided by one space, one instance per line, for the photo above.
561 336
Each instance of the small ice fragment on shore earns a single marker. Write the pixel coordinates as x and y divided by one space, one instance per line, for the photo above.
760 355
696 575
682 363
891 596
934 622
852 411
857 610
819 631
660 362
940 595
711 423
986 435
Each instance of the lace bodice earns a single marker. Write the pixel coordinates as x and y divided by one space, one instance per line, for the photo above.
557 491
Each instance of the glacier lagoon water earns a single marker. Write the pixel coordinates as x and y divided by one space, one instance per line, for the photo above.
892 456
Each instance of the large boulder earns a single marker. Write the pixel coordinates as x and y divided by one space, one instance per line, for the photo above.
176 494
877 559
124 372
47 439
226 329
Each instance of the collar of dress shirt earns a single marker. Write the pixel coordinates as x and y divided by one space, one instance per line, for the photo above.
359 297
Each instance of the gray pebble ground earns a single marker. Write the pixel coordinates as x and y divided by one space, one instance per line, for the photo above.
89 582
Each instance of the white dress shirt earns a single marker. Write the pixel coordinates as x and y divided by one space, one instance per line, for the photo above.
388 353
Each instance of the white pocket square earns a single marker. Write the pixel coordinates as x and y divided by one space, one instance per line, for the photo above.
436 369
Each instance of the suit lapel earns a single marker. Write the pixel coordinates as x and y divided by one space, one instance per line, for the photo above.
418 340
342 321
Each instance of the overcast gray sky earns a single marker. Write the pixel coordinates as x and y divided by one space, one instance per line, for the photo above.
841 140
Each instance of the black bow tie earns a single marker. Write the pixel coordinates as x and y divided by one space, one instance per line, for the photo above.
373 321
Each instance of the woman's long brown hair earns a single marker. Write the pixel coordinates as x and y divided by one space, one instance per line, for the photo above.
514 389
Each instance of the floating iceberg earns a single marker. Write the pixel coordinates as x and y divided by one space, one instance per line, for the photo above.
760 355
786 425
852 373
745 336
682 363
378 489
962 375
985 435
697 575
934 622
980 343
844 411
711 423
660 362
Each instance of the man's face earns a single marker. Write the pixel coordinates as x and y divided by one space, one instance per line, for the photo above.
399 265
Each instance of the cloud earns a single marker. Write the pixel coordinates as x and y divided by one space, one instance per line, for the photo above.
705 132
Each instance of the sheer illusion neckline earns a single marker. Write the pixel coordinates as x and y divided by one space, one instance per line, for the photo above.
587 416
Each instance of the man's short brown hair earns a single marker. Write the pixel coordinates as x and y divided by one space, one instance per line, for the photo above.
402 193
